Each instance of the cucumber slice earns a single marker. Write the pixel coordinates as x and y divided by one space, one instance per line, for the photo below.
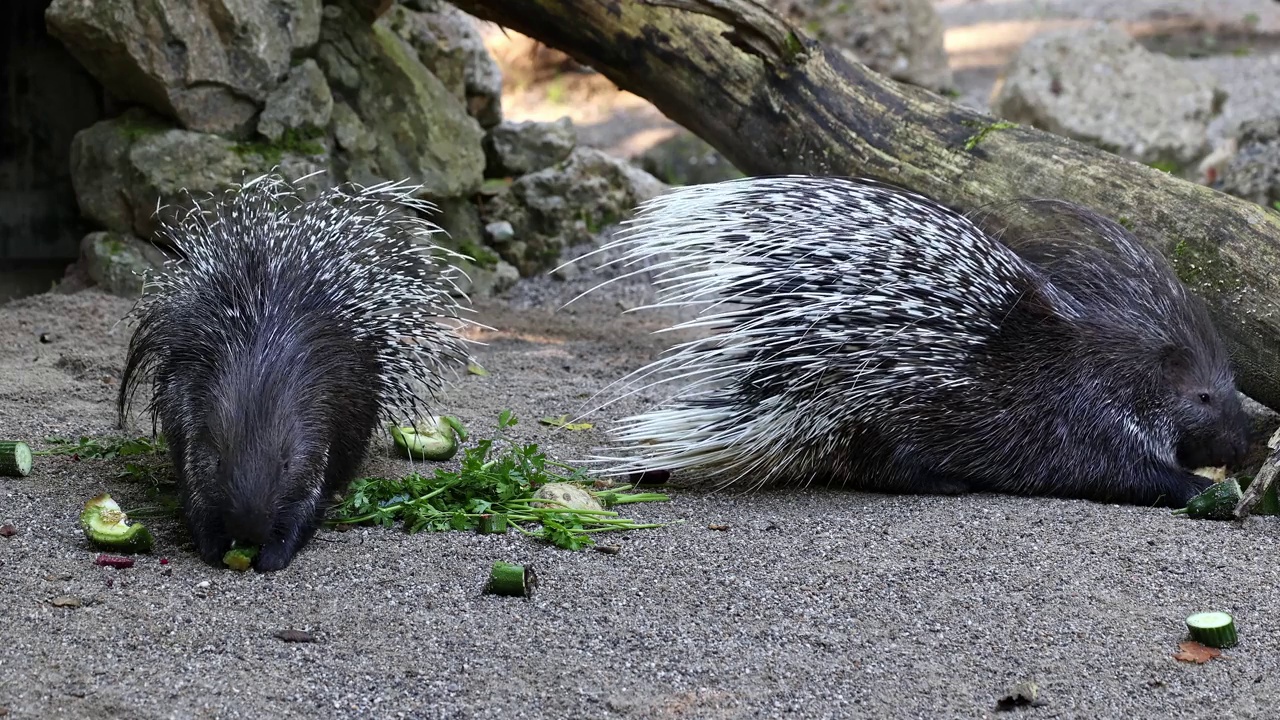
107 526
493 524
433 439
1215 629
15 458
240 558
511 579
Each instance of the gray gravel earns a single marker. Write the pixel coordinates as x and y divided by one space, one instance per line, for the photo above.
811 604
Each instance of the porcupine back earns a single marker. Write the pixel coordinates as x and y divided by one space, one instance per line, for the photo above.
852 333
277 342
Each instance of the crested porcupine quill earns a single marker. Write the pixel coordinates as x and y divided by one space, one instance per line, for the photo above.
852 333
275 343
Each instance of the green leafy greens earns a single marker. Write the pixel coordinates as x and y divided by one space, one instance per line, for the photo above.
497 476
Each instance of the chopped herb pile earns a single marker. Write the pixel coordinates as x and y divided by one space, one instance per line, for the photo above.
108 448
497 477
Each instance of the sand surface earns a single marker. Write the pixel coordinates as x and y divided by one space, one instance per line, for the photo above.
813 604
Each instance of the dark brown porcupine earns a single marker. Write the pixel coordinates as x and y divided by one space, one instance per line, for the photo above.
856 334
285 332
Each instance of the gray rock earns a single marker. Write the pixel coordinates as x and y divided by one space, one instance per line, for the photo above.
460 220
902 39
1097 85
1253 173
487 282
686 159
302 103
207 63
117 262
419 130
517 148
450 45
567 204
349 131
123 167
499 232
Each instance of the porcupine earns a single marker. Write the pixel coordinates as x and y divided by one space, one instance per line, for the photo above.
286 329
853 333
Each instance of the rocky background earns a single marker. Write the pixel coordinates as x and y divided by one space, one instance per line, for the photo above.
117 108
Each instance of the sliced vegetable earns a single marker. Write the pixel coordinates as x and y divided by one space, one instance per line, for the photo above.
15 458
492 524
433 439
566 495
240 558
115 561
1215 629
1216 474
107 526
1216 503
511 579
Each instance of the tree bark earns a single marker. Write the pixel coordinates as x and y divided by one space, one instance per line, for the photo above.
772 101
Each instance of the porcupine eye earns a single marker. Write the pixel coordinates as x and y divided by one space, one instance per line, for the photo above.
1204 398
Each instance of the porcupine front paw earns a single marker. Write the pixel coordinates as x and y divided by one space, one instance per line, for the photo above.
297 527
1168 487
211 544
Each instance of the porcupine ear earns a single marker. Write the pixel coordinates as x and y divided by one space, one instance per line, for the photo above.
1178 367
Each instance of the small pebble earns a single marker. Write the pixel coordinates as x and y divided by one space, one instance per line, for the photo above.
8 530
67 601
295 636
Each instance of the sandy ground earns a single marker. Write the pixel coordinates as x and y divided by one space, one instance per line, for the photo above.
814 604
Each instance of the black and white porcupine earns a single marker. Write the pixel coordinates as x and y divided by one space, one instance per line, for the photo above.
851 333
277 341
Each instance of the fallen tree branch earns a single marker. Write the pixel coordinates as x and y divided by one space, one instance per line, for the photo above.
1263 480
773 101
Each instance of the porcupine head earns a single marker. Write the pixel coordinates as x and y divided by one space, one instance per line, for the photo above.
1179 371
277 342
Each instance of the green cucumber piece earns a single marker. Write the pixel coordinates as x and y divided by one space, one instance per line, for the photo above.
240 558
436 440
492 524
1215 629
107 526
1218 502
511 579
15 458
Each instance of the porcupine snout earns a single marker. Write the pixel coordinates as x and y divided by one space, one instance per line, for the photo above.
248 523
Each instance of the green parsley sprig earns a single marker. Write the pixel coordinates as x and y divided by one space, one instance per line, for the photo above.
497 477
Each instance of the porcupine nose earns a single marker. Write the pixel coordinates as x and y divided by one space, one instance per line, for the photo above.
249 525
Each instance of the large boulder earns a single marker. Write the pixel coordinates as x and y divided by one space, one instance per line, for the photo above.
117 263
1098 85
392 118
1253 172
902 39
449 44
124 168
302 104
564 205
516 148
686 159
209 64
